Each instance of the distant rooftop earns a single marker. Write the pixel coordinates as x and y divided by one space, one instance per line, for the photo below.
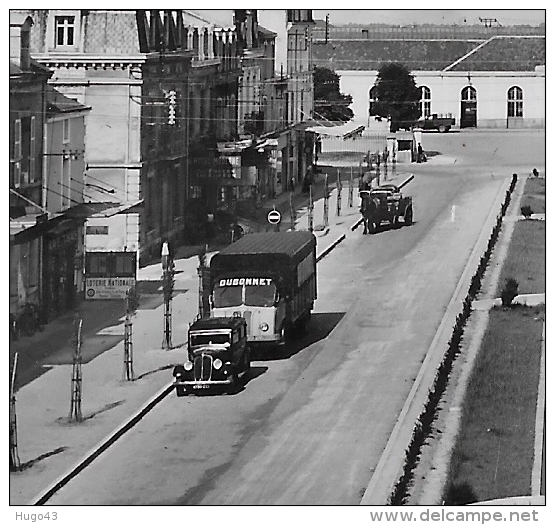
499 53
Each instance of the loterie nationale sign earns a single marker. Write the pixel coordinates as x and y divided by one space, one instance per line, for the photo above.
108 287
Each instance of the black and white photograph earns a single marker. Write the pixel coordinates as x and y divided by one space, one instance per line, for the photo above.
277 264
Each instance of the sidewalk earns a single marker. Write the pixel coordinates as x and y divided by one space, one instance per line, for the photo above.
49 445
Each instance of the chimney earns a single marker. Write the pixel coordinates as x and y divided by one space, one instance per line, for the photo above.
20 36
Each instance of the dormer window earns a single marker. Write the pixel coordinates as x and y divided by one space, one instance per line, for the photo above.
65 31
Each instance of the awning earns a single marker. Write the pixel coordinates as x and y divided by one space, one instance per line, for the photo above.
268 143
346 131
31 226
234 147
130 207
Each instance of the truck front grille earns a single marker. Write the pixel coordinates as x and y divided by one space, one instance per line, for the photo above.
202 367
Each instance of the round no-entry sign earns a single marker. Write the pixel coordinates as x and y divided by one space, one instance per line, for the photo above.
274 217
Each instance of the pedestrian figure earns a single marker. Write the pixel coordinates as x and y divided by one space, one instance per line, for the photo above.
421 157
535 172
292 183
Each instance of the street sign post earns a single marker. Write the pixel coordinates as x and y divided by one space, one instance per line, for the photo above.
274 216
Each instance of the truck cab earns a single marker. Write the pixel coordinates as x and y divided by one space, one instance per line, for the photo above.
269 279
217 355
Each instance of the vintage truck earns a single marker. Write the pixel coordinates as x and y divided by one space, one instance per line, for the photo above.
270 280
441 123
385 203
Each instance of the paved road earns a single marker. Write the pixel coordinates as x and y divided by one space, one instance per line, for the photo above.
310 429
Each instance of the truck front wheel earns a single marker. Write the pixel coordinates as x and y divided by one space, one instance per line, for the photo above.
286 333
180 391
408 215
443 129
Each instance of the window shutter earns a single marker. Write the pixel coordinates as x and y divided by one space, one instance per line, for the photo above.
32 151
17 152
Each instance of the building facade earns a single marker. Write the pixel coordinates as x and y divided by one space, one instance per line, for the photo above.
63 191
482 80
28 217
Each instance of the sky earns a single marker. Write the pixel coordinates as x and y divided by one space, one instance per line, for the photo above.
409 16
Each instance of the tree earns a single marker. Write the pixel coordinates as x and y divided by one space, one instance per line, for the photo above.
397 96
328 101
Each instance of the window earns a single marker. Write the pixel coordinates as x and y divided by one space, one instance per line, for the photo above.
514 102
65 132
103 264
468 94
97 230
17 153
373 98
64 31
425 101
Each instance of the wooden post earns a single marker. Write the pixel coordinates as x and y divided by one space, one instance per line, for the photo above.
203 287
351 189
76 376
15 463
128 373
167 290
326 203
339 188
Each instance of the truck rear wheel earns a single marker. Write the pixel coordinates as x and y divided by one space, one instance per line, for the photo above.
408 215
442 129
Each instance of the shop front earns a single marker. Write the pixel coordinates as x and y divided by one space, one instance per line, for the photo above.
62 267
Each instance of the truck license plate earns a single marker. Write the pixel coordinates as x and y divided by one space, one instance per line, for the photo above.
198 387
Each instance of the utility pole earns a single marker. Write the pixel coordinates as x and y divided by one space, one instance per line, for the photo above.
15 463
167 288
339 188
310 211
489 21
76 376
292 212
327 27
326 199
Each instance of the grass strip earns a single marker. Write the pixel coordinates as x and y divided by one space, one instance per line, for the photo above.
494 452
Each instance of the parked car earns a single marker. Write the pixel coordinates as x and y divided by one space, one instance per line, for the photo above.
441 123
217 355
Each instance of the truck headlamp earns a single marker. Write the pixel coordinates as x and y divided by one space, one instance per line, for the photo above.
188 365
217 364
264 327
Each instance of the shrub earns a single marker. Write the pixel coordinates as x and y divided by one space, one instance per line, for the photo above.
526 211
460 494
509 292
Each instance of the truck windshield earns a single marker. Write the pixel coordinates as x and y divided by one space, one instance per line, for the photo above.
260 295
204 339
228 296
